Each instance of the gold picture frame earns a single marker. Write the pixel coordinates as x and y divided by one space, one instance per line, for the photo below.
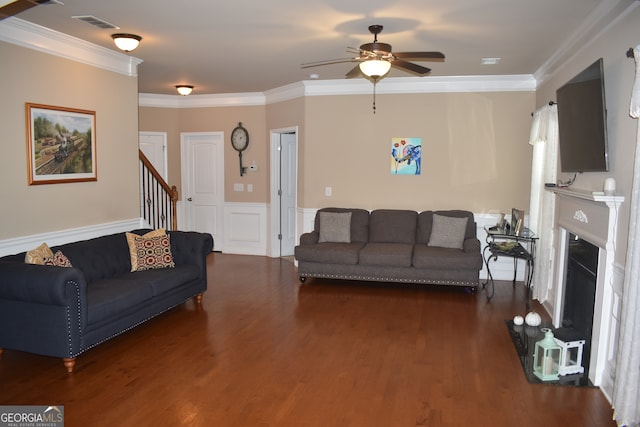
61 144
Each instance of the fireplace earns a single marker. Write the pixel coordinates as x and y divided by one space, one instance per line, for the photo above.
583 296
579 294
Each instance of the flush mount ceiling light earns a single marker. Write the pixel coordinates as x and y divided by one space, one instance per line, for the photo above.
126 42
184 90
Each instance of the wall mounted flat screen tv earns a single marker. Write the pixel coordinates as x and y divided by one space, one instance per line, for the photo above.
582 122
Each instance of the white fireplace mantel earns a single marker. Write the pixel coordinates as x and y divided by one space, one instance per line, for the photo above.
592 216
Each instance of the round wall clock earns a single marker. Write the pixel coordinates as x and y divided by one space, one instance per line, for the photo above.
240 142
239 137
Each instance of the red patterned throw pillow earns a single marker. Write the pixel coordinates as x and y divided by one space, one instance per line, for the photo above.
58 260
152 252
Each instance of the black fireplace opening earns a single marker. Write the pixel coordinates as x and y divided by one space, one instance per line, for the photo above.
579 294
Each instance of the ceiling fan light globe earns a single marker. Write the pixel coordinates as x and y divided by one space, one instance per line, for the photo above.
375 68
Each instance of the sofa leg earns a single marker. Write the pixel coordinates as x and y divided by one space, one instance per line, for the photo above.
198 298
302 279
69 363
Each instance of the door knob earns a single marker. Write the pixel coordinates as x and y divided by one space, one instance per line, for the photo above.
190 199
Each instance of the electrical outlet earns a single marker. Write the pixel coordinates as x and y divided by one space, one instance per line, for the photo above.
328 191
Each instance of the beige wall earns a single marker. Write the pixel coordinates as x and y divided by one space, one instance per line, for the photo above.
174 121
31 76
474 149
619 74
165 120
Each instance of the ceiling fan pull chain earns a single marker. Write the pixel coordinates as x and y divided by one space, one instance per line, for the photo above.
374 96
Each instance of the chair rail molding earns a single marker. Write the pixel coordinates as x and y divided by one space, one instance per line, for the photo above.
60 237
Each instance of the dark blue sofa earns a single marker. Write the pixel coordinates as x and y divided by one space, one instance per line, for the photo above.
62 312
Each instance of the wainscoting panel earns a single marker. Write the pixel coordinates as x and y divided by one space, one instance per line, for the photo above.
55 238
245 228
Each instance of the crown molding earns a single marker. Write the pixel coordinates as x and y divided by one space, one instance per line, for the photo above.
605 16
201 101
396 85
26 34
410 85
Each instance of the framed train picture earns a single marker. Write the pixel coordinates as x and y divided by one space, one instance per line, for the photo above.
61 144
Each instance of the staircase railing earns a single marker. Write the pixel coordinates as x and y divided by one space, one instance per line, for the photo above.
158 201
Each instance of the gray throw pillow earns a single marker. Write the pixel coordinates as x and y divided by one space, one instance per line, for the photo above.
448 232
335 227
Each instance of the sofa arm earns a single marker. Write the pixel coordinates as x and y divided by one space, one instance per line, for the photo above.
190 247
41 284
310 238
471 246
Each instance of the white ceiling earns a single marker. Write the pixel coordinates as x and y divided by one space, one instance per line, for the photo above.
253 46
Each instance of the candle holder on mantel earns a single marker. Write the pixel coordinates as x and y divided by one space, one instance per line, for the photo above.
546 358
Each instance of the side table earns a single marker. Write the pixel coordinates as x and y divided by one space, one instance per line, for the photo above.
506 243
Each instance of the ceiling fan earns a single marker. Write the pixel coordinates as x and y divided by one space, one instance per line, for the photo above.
12 8
376 58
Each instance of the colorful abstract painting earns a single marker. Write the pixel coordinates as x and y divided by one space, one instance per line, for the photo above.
406 156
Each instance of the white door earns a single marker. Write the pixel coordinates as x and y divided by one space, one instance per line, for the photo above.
283 190
154 146
203 183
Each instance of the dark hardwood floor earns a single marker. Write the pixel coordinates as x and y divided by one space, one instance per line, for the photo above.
265 351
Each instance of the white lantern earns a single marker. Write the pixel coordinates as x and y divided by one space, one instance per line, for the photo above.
570 357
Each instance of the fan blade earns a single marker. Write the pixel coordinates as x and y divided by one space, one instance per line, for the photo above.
354 72
411 67
420 56
327 62
15 7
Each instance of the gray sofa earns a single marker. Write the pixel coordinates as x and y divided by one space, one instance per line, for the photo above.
392 245
62 312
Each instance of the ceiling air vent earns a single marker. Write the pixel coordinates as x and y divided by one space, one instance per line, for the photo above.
95 21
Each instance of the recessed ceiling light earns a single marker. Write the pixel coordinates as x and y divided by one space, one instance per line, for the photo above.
489 61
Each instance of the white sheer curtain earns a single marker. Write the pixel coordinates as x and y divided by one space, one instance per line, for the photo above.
544 139
626 393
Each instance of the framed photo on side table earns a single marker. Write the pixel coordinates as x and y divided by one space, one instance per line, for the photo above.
61 144
517 221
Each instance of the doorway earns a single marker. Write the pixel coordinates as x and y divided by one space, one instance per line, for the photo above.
284 179
154 147
202 164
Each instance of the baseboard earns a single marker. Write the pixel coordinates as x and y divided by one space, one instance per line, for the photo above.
60 237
